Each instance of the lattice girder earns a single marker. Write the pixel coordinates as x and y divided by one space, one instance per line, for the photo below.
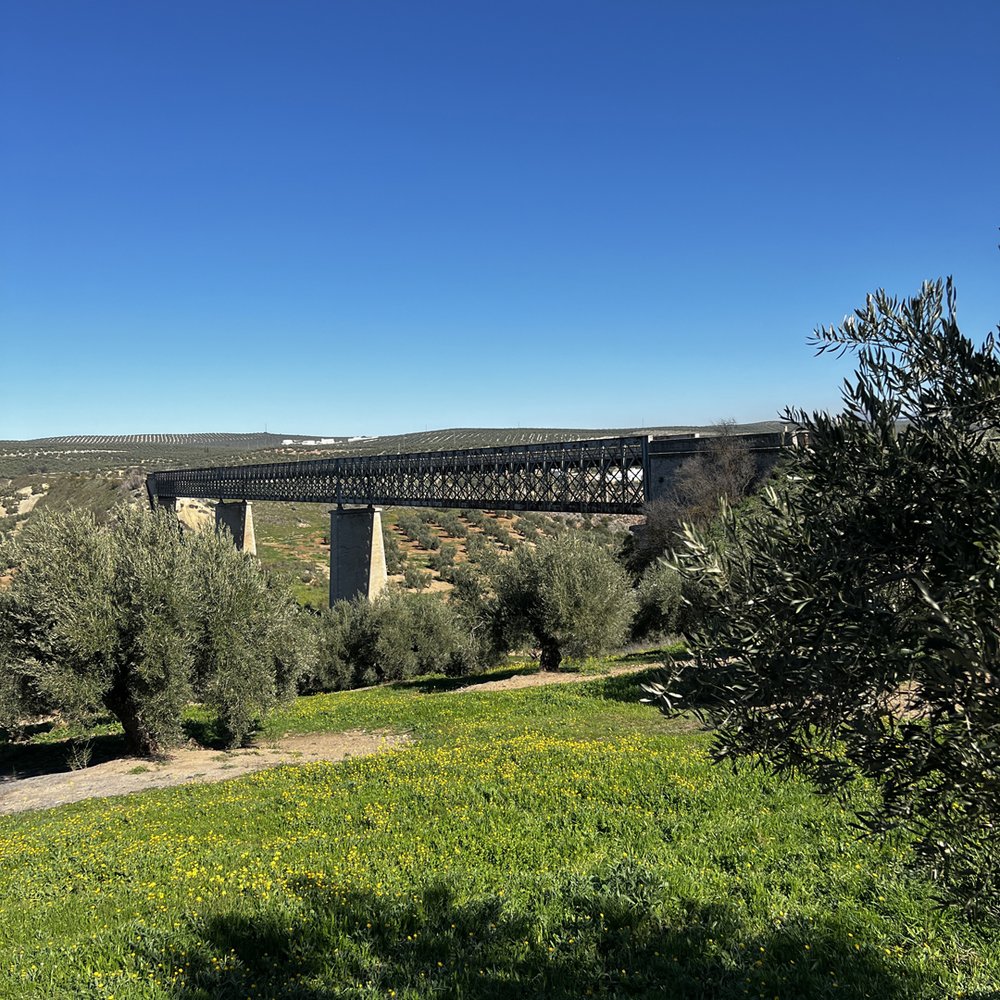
605 475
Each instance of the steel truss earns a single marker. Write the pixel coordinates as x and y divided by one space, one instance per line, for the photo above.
603 476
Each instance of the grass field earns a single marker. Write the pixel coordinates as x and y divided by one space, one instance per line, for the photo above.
559 841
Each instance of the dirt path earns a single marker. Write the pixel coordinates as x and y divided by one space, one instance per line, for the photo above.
194 765
551 677
184 766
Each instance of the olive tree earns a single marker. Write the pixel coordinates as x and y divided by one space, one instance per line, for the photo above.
852 624
131 618
567 593
99 616
250 640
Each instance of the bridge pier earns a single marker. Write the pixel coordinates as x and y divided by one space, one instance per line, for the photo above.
357 553
237 519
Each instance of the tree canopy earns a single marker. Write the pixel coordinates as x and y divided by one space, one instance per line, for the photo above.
567 593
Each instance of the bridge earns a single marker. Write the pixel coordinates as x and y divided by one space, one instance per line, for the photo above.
615 475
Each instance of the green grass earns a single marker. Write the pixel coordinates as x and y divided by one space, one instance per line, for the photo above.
550 842
290 540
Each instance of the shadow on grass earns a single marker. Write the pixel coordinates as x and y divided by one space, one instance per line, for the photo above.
29 760
441 685
207 733
664 654
624 687
612 936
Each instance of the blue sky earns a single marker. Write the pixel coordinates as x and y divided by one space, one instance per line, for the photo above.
373 217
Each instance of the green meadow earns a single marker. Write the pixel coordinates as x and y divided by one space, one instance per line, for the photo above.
562 841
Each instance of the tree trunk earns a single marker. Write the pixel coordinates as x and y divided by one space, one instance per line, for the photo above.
138 738
551 656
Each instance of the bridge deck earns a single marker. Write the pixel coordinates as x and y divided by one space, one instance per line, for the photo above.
602 476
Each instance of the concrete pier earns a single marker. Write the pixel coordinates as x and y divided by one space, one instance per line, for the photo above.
668 454
357 553
237 519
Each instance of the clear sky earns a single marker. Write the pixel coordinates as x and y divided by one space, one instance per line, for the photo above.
372 217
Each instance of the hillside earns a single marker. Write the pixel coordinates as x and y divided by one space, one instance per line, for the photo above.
103 452
424 548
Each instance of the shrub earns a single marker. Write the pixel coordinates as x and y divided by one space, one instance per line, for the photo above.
498 532
251 641
480 551
331 670
395 559
474 517
471 599
415 578
394 637
452 524
723 473
660 599
444 557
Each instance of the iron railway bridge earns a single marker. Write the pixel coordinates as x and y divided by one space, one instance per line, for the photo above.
615 475
603 476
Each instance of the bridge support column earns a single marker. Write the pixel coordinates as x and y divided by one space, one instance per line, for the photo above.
357 553
237 519
166 503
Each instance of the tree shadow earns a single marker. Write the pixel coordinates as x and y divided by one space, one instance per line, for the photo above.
441 685
609 936
208 733
29 760
660 655
625 687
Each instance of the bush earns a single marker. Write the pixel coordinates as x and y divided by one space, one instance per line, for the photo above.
251 641
568 594
415 578
497 531
723 473
395 637
331 670
16 697
480 551
660 600
444 557
451 524
471 600
415 524
395 559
